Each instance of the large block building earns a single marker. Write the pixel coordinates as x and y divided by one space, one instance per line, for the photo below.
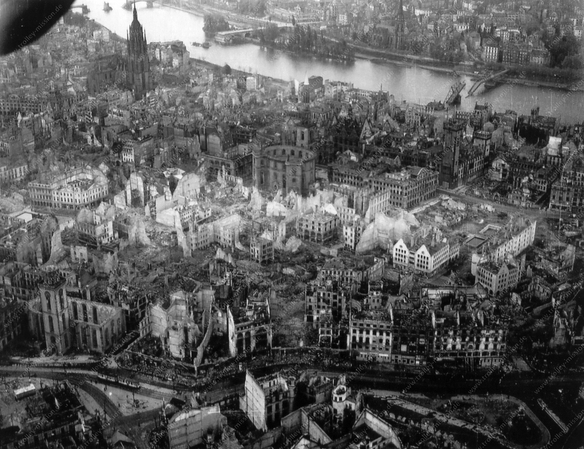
405 337
426 254
72 190
249 326
284 167
65 319
497 277
404 189
267 399
324 299
194 427
568 192
506 241
462 161
318 227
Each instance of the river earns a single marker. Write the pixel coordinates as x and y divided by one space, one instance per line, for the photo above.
410 83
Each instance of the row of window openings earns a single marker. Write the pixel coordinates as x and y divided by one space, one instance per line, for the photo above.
61 296
83 335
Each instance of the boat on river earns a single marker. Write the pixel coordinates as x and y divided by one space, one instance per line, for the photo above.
491 84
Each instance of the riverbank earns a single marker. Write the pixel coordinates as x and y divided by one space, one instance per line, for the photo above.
236 72
521 80
399 59
409 84
304 54
449 69
569 87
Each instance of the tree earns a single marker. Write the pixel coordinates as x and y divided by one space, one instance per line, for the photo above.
270 33
573 62
226 69
532 27
215 23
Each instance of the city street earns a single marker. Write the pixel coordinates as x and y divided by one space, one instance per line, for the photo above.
97 396
532 213
380 382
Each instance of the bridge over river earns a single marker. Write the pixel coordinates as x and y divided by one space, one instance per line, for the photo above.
480 82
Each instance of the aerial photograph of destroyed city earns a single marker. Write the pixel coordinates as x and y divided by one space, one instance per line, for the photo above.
292 224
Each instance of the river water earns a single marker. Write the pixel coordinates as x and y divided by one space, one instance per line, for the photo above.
410 83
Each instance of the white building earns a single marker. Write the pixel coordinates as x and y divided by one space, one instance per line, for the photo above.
251 83
511 240
267 399
194 427
72 190
497 278
427 255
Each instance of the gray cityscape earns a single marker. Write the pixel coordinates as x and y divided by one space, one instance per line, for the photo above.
291 224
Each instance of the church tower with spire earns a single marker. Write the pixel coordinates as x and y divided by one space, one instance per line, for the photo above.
138 64
400 27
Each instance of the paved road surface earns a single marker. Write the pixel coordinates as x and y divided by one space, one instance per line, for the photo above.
534 213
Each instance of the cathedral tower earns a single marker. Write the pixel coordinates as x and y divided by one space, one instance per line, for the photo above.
400 27
138 63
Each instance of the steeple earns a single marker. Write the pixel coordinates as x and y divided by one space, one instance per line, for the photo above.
138 64
400 26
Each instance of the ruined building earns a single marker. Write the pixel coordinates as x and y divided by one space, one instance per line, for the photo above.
54 418
568 192
96 228
132 299
322 422
195 427
328 298
179 326
224 231
236 161
249 327
64 318
411 338
502 242
351 272
267 399
55 314
318 227
12 314
106 72
261 250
